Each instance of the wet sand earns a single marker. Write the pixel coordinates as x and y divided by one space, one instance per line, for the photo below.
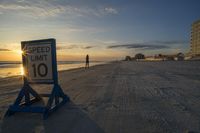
120 97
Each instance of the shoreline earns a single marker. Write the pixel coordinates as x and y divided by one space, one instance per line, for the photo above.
17 76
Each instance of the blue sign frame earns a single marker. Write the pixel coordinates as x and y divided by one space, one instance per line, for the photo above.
27 95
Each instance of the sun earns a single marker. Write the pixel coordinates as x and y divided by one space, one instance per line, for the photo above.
19 52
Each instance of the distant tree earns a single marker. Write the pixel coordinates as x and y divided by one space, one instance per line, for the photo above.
133 58
127 58
139 56
170 58
180 56
160 55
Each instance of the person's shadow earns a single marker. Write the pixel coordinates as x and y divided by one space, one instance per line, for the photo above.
67 119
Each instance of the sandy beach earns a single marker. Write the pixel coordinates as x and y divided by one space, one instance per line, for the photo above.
119 97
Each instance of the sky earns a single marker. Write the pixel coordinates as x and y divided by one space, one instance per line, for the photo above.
104 29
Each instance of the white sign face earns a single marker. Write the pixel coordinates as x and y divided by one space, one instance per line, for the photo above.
38 62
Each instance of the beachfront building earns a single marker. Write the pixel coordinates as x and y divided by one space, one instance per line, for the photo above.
195 39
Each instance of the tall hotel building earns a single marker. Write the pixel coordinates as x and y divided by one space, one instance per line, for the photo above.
195 39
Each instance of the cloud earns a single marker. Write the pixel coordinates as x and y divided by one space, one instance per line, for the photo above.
32 9
4 50
85 29
171 42
152 45
73 46
139 46
37 9
88 47
67 47
110 10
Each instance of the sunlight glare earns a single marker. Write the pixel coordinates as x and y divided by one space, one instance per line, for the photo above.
20 52
22 70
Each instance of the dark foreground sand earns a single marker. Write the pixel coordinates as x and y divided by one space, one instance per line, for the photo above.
122 97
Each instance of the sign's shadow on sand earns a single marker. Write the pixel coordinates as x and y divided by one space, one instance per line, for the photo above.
67 119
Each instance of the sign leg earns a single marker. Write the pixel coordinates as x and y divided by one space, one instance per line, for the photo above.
56 95
25 93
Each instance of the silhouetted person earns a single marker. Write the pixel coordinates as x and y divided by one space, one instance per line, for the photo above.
87 61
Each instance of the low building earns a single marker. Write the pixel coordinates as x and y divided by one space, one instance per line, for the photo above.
180 56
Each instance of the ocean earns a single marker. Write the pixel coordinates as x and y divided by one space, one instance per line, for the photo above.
14 68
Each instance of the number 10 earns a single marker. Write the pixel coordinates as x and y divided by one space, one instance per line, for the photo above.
37 70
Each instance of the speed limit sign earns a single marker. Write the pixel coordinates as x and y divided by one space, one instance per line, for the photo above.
39 61
40 67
